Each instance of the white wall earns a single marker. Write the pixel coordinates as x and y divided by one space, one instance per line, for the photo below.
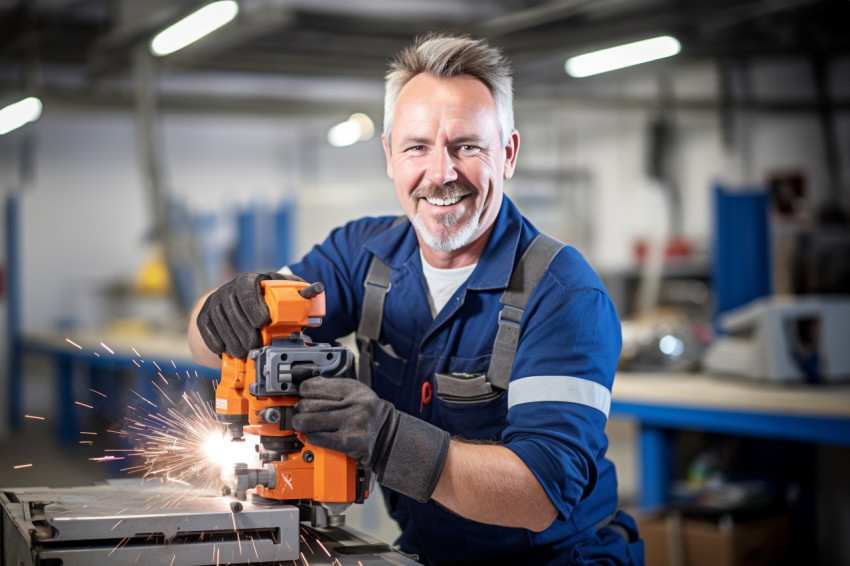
85 214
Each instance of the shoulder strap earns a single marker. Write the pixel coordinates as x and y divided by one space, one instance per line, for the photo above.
528 271
377 285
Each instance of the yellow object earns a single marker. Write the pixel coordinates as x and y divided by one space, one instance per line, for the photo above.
153 278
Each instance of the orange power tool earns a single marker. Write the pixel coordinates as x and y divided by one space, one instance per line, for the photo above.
258 394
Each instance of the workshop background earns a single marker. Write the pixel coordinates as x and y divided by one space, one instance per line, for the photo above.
693 184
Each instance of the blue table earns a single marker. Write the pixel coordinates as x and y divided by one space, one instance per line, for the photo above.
661 403
104 360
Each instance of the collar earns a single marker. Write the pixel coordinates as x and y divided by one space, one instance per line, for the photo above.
399 245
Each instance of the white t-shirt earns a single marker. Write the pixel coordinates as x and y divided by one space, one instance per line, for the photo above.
442 283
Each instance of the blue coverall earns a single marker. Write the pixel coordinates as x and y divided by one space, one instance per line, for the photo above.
553 415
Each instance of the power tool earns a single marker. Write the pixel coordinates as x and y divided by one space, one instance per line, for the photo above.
257 396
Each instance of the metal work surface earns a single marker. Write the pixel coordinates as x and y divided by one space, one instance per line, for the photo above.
126 522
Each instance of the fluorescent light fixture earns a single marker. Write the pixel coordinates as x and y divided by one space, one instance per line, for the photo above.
622 56
358 127
16 115
193 27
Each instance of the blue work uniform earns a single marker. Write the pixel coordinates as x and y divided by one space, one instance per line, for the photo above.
553 415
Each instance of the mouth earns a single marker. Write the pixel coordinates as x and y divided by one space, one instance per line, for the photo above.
444 201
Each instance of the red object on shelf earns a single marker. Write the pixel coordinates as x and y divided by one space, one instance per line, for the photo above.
676 247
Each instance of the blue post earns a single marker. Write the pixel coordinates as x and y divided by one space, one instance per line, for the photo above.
742 258
283 235
13 275
656 466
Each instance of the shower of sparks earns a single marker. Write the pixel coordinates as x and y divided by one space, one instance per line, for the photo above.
107 348
83 405
98 392
72 343
184 444
33 417
18 467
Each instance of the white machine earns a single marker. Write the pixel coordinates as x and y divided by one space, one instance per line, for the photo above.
785 339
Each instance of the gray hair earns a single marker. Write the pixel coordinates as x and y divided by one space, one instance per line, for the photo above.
446 56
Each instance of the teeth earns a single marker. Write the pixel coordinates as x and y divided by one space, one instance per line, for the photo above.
443 202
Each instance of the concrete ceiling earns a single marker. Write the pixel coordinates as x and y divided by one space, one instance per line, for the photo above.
84 49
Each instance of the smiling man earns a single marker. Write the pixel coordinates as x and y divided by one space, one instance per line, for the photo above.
488 351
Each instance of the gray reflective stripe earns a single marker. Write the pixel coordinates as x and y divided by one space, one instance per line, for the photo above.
559 388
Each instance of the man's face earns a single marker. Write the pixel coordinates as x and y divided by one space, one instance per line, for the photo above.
447 159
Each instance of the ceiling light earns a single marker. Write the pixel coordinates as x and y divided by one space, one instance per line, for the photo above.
358 127
16 115
622 56
193 27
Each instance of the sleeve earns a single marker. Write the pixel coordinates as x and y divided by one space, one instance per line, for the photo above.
340 264
560 389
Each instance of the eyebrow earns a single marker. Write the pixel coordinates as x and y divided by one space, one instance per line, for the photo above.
456 141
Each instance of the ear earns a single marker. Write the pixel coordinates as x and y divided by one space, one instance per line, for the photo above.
511 151
388 154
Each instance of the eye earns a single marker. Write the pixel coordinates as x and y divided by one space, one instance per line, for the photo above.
467 149
416 148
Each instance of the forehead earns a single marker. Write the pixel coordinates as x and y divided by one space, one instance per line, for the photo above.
455 102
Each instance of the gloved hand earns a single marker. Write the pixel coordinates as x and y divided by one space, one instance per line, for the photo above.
232 316
406 453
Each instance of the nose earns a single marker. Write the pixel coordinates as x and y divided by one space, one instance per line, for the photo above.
441 167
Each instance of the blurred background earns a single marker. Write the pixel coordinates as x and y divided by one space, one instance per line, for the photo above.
710 189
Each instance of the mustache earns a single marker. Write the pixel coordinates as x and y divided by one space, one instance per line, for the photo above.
449 190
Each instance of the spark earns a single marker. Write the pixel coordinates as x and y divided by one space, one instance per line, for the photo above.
304 559
34 417
83 405
116 524
172 363
288 480
137 363
89 433
136 352
162 377
257 554
18 467
235 530
98 392
157 366
106 458
142 398
72 343
163 392
308 545
116 431
123 541
96 354
107 348
323 547
89 442
172 560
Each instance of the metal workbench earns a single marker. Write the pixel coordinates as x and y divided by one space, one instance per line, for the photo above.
125 522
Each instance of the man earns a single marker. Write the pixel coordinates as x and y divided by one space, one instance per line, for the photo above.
472 473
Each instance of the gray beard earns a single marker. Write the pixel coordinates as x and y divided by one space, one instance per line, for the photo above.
453 241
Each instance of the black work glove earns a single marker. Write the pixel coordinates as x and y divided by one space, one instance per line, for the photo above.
406 453
232 316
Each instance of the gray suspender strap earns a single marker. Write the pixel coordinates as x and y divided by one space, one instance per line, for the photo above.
377 285
528 271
